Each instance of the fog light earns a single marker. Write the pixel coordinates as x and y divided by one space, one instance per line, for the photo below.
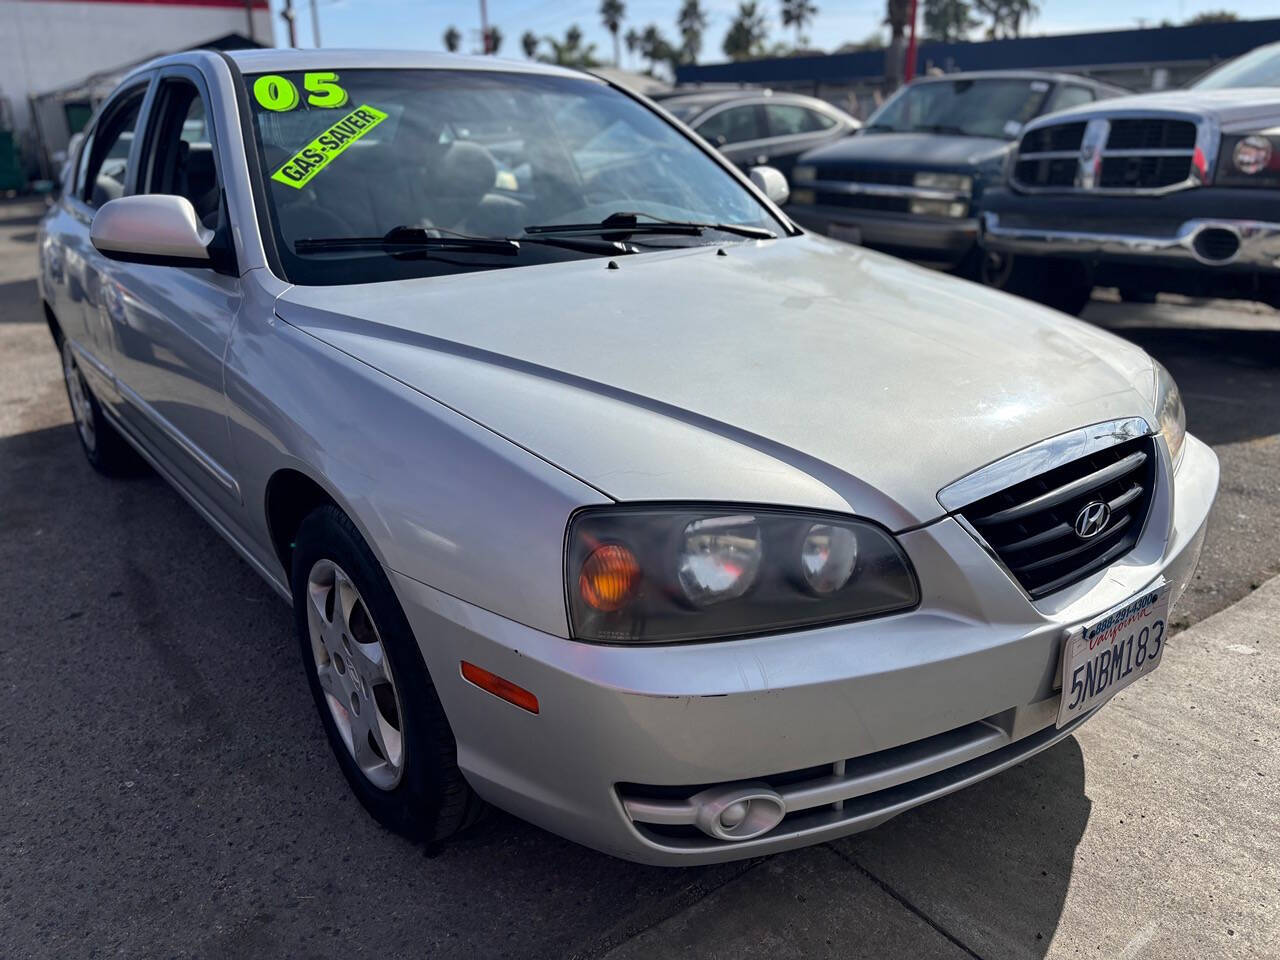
804 196
738 812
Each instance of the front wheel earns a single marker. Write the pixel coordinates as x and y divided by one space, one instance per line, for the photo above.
379 708
104 448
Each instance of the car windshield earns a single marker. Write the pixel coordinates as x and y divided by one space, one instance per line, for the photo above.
427 161
1258 68
974 108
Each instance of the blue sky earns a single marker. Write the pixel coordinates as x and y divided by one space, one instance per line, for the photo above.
418 25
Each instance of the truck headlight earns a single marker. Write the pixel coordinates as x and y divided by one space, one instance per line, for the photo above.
804 173
659 574
1251 154
938 208
1170 413
955 182
1248 160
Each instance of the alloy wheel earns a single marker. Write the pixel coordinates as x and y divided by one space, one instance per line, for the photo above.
355 674
81 408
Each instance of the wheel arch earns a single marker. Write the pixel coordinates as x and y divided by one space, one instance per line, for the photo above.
290 496
55 328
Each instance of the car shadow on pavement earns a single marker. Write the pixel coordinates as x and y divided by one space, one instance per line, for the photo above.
180 770
18 299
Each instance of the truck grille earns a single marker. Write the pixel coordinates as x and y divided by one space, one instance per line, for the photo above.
1036 527
864 201
854 173
1125 155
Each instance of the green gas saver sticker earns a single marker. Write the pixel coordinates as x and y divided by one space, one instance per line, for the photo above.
298 170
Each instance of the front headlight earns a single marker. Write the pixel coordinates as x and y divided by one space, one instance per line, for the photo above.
663 574
804 173
958 183
1170 413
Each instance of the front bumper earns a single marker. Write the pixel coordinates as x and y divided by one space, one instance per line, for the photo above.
1216 229
877 716
933 240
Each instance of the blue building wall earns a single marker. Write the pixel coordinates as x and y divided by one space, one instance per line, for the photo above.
1157 45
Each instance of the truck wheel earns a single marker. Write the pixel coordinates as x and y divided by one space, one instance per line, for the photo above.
1064 285
379 708
1136 295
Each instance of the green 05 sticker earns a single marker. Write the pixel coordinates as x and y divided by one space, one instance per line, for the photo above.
277 93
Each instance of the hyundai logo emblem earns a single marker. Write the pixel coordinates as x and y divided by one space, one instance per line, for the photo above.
1092 519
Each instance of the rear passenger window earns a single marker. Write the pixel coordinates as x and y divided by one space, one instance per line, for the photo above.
108 154
733 125
786 120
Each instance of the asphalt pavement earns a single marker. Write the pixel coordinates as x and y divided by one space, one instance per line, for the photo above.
167 792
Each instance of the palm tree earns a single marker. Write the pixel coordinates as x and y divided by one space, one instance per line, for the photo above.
692 21
655 48
798 14
493 41
611 15
452 39
633 41
570 52
747 33
1007 16
529 41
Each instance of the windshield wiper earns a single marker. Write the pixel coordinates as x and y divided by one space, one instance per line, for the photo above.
411 240
879 126
628 223
943 128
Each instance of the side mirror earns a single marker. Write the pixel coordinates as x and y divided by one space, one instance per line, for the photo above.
772 184
154 228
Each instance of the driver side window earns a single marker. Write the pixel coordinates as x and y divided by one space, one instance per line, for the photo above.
182 155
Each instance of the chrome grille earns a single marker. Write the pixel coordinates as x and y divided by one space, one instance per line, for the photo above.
855 173
1032 526
1122 155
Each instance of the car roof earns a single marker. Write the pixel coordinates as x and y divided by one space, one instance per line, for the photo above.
712 98
1049 76
277 59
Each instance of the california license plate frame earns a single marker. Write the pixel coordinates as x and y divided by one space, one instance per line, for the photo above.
1103 656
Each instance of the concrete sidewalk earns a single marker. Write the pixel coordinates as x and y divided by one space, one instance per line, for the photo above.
1154 832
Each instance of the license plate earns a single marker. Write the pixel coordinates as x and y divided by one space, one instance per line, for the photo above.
840 231
1105 655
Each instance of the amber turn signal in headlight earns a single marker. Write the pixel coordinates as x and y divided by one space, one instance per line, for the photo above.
609 577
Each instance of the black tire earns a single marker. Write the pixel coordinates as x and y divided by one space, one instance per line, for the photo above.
1136 295
106 450
1064 285
431 801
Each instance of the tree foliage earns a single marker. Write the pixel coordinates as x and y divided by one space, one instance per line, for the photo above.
692 23
529 43
494 40
948 21
570 51
1006 16
748 33
1214 16
798 14
452 39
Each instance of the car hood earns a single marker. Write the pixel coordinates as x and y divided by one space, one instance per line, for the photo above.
798 371
918 151
1231 106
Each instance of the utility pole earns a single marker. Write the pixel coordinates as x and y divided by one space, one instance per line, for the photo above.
909 68
484 26
248 13
288 16
315 23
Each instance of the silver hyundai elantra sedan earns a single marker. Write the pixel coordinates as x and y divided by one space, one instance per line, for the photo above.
600 491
